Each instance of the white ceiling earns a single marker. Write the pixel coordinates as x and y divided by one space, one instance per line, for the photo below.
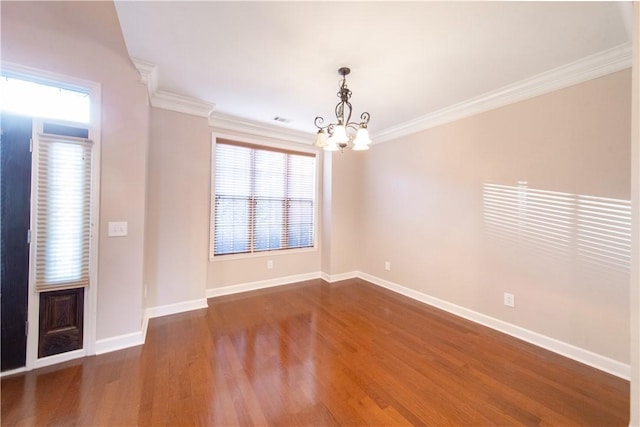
259 60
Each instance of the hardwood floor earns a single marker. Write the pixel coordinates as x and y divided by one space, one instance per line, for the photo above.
318 354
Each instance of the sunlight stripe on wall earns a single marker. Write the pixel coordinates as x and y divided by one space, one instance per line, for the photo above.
591 229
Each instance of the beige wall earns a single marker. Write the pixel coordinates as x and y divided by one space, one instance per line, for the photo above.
422 210
325 212
178 208
83 40
177 265
341 212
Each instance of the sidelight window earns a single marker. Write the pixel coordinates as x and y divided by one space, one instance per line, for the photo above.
63 212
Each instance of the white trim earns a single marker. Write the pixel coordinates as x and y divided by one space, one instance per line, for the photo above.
120 342
167 100
181 104
197 107
179 307
261 284
212 192
13 372
587 357
590 67
258 139
258 254
227 122
148 74
42 76
145 326
91 294
331 278
59 358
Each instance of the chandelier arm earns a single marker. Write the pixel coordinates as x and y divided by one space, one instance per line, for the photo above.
350 110
318 122
365 118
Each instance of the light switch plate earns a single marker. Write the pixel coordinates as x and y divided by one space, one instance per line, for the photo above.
117 229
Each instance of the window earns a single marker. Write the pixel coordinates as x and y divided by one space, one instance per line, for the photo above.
63 212
63 166
45 100
264 199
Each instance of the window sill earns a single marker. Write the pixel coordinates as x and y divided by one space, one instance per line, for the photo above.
234 257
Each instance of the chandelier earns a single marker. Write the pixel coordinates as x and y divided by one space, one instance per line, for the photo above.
345 133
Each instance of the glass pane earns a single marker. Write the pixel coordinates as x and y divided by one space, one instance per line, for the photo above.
269 223
233 170
270 168
67 204
231 225
301 172
300 229
17 96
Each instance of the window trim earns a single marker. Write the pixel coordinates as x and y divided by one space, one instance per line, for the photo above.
289 148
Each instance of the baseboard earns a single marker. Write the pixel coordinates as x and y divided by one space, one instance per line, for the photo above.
59 358
120 342
587 357
338 277
179 307
262 284
106 345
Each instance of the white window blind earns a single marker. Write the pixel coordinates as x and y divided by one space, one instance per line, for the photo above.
63 212
264 199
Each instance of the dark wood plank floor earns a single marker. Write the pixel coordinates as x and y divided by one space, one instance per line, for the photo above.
318 354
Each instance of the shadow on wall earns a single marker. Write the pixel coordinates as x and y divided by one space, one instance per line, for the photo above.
588 229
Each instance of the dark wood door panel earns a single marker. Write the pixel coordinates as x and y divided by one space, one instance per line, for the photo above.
15 202
61 315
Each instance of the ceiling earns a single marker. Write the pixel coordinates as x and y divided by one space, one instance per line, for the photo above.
259 60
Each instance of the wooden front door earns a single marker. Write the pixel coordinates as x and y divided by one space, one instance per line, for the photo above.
15 190
61 314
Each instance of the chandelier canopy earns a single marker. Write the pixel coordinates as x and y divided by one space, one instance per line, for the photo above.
344 133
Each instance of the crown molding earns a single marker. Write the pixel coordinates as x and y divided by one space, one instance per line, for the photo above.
148 74
167 100
590 67
228 122
182 104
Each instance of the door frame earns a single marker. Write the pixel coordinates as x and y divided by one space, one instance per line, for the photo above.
90 296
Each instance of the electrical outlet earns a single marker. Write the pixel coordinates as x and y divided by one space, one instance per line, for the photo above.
270 264
387 265
509 300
